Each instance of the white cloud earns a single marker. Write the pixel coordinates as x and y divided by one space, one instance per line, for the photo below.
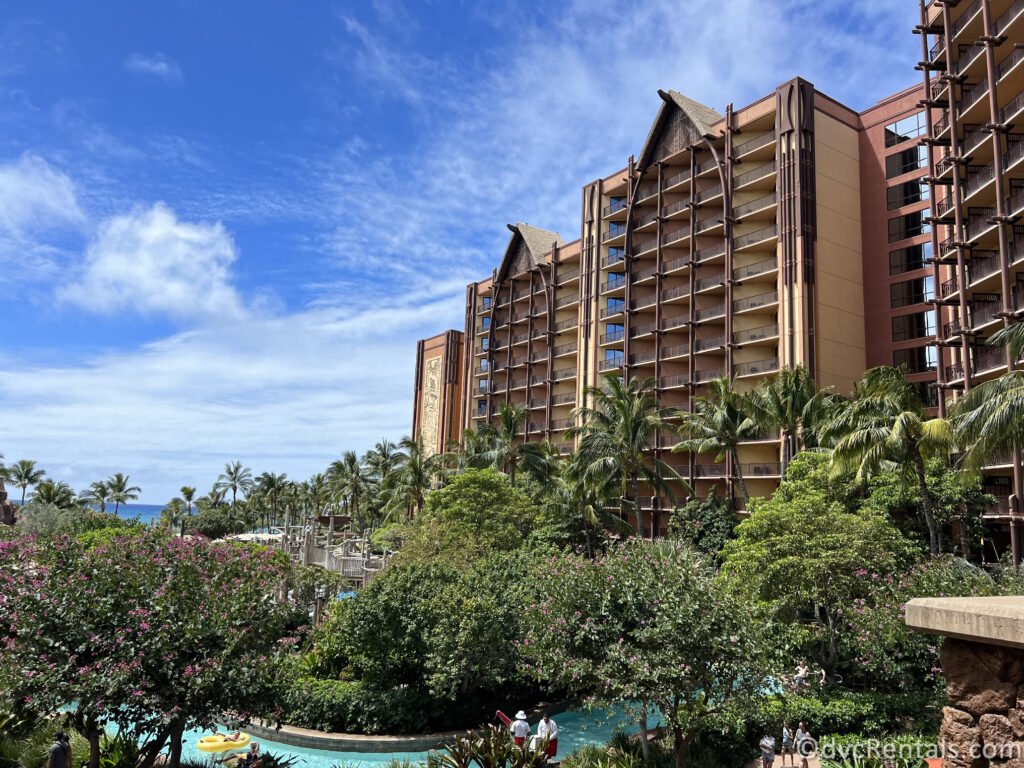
157 65
149 262
278 392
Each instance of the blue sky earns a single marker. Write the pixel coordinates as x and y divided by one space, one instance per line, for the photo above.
224 225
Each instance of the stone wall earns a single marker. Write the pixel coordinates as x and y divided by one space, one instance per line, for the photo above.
983 727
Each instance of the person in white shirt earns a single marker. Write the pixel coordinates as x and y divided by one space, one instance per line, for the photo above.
520 728
547 729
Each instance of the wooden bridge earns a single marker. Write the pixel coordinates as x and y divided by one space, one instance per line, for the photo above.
339 551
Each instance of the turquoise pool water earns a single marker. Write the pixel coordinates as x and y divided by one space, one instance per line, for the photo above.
575 729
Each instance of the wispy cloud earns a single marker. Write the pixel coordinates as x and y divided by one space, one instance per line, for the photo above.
156 65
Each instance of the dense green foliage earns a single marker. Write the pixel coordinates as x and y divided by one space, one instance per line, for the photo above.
706 524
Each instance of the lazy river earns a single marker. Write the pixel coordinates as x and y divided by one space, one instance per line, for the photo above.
575 729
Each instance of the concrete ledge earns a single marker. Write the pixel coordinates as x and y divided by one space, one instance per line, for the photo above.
992 620
358 742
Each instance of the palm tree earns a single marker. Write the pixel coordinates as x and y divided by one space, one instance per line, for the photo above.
989 419
235 478
718 424
572 498
315 493
614 435
272 487
884 427
175 514
22 474
98 493
382 459
348 480
120 491
505 448
470 452
59 494
792 403
188 495
409 484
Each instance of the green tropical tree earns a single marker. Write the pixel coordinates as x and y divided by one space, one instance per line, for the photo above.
885 428
470 452
272 487
235 478
408 485
792 403
59 494
506 448
97 494
348 481
718 424
22 474
586 503
175 514
989 419
188 495
382 459
614 434
120 491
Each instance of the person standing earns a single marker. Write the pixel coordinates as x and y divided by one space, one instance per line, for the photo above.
787 744
804 743
60 752
547 729
520 728
767 746
802 672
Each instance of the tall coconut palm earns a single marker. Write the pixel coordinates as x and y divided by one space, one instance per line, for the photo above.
175 514
884 428
989 419
505 447
22 474
235 478
469 452
98 494
574 499
792 403
718 424
120 491
382 459
348 480
59 494
614 435
409 484
272 487
315 492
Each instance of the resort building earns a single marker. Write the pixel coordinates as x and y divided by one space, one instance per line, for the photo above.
973 145
792 231
437 405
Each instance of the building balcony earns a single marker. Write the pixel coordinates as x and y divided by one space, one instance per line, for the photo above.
750 303
615 257
754 335
708 283
564 301
750 178
756 367
677 381
710 253
566 276
565 349
639 358
757 269
709 313
612 337
751 239
614 233
609 364
565 325
568 398
614 207
563 374
616 283
676 235
763 203
751 145
708 344
708 374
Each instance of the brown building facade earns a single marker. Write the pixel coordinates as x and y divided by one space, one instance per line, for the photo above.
792 231
437 415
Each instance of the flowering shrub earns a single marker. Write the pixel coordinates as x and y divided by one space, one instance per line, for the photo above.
152 633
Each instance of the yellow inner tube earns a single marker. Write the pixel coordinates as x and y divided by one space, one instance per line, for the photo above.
221 743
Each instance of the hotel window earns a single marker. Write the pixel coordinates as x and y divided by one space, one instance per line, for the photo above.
487 302
485 343
911 292
908 128
906 161
615 306
908 225
907 193
910 258
915 326
916 359
481 407
483 385
616 255
613 355
614 331
929 394
487 322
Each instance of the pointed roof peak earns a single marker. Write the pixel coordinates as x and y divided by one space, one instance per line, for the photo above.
526 248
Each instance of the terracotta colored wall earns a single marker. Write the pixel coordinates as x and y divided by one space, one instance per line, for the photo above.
439 384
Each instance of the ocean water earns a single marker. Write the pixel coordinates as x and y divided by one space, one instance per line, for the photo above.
146 513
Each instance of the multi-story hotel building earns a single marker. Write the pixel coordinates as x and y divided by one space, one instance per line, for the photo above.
792 231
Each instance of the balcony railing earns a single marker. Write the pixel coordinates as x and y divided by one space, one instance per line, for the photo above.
613 231
750 176
674 322
609 364
711 342
755 143
616 281
674 293
564 276
676 350
752 238
974 137
538 378
564 373
564 325
753 302
640 330
764 201
753 367
965 18
757 268
615 206
675 234
676 178
756 334
614 257
977 177
560 424
703 195
971 94
565 349
708 282
967 56
641 357
643 301
607 338
706 254
677 380
709 312
1007 18
983 264
565 301
566 399
539 357
708 374
983 313
1015 105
